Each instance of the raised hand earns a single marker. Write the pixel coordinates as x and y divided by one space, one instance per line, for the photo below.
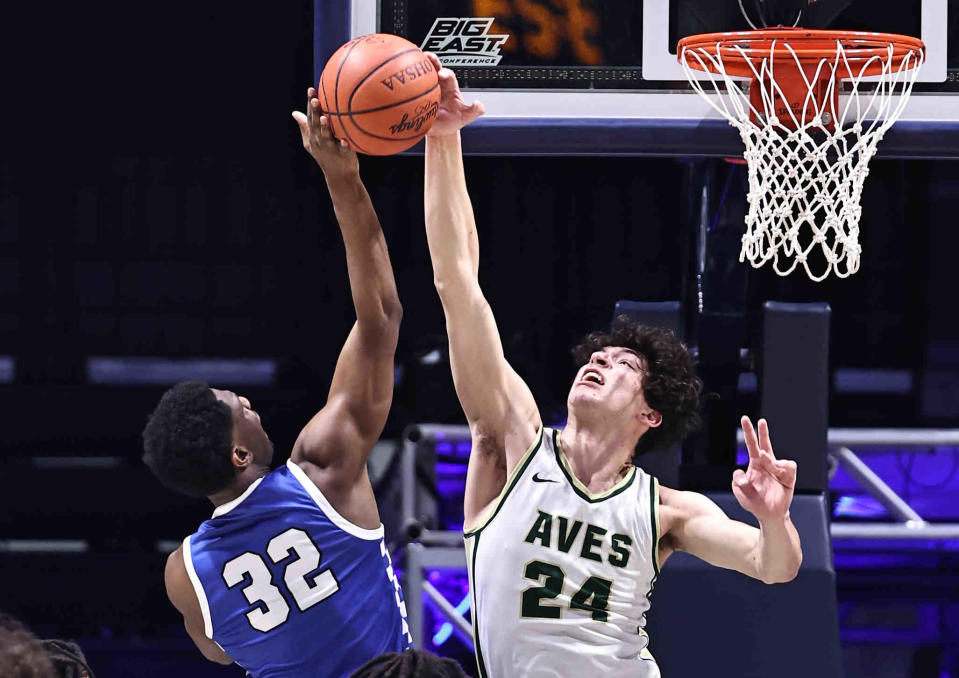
765 488
454 112
332 155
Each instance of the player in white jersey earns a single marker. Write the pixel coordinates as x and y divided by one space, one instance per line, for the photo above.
565 537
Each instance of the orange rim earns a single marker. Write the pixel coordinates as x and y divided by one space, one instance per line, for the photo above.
868 51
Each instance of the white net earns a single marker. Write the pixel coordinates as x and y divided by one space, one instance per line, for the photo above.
806 172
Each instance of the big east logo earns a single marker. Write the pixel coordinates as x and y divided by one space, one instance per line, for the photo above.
464 42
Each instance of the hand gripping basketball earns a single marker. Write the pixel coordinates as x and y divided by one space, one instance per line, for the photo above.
332 155
454 113
765 488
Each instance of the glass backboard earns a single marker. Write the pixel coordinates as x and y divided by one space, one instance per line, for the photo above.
601 77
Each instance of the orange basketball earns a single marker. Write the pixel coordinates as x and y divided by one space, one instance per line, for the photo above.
380 93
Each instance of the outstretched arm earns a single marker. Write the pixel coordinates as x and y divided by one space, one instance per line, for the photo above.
340 436
771 553
499 406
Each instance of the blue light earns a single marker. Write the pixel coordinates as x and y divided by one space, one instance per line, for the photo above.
446 630
862 506
448 468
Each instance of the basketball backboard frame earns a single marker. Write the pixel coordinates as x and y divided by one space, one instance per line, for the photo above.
662 122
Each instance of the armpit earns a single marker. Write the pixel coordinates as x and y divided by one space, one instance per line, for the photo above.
489 447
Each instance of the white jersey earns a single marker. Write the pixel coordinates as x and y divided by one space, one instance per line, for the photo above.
560 578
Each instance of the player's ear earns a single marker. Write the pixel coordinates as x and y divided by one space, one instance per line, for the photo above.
651 418
241 457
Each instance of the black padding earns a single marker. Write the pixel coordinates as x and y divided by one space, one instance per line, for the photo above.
706 621
656 313
794 386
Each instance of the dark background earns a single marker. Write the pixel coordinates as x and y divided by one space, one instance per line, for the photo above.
155 201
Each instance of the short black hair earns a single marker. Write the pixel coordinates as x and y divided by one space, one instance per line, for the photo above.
68 659
188 440
409 664
670 384
21 653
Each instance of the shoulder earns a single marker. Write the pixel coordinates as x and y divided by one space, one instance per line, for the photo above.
177 580
516 436
685 501
678 506
312 478
309 473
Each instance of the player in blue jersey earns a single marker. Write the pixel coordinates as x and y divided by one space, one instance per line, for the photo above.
291 576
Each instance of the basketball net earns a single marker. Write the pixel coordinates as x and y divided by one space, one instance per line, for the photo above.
807 148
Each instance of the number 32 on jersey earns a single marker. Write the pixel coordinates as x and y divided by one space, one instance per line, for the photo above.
306 589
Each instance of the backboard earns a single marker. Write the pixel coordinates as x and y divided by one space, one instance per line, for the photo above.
569 77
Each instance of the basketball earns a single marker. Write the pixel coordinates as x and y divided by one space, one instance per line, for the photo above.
380 92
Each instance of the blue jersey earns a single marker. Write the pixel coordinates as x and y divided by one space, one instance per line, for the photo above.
290 588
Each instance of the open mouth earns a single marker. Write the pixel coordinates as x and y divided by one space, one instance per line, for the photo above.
592 377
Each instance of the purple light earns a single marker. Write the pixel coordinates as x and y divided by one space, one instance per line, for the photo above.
858 506
450 468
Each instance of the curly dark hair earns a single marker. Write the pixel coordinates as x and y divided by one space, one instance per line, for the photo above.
670 384
188 440
409 664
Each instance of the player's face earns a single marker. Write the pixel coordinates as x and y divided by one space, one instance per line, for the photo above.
247 430
611 381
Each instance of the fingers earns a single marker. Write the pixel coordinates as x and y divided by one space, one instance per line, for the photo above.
305 120
764 441
318 121
445 75
785 471
448 82
767 464
435 60
752 444
450 94
315 127
473 111
310 97
477 109
302 123
744 491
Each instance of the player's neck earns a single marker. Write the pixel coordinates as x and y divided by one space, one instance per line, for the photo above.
598 456
239 485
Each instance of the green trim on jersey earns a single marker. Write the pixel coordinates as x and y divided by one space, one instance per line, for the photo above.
654 518
514 477
472 541
578 486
